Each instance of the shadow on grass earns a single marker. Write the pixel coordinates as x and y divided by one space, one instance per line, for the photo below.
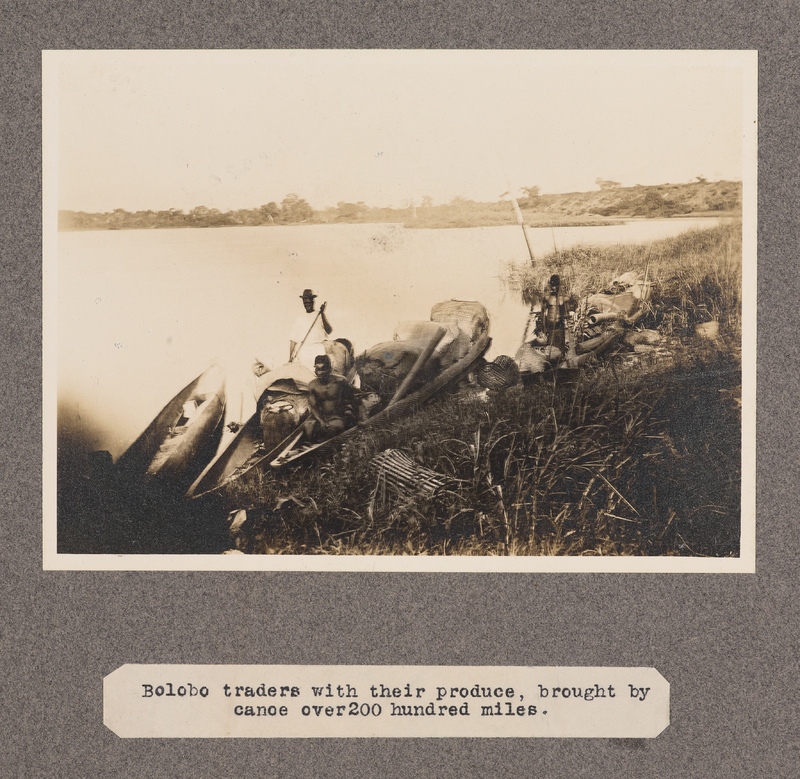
108 517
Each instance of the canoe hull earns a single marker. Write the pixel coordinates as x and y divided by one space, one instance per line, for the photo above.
248 450
225 467
401 407
181 439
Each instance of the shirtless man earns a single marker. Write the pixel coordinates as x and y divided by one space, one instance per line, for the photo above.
331 402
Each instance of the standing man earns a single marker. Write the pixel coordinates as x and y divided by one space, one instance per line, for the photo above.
309 332
555 314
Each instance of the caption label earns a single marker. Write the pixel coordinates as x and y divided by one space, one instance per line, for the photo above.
349 701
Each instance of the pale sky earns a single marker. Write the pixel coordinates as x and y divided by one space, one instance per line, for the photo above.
237 129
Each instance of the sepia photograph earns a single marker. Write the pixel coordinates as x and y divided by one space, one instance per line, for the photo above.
399 310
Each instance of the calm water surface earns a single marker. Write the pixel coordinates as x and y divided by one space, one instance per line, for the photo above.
142 312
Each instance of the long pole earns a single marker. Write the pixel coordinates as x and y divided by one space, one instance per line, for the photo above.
416 367
521 223
297 350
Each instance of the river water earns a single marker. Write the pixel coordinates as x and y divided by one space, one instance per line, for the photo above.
140 313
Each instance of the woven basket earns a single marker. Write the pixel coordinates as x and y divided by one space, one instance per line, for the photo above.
500 373
400 474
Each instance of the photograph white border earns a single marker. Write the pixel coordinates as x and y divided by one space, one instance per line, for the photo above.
745 563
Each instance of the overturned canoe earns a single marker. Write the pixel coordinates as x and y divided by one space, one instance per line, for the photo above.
182 438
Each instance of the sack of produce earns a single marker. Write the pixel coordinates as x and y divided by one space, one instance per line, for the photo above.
469 316
384 366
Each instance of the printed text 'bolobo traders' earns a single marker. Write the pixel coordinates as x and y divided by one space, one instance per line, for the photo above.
282 701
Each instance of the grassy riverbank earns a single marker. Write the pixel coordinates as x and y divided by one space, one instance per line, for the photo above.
636 457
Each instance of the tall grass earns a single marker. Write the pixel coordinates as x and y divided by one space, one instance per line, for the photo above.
621 462
696 276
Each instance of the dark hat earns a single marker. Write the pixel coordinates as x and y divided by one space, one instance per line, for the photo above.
322 359
308 293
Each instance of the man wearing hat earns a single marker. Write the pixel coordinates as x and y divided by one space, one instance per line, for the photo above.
309 332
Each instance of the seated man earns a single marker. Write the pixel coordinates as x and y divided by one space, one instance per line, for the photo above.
331 402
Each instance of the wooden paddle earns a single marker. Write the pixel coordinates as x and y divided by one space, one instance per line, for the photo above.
293 356
292 439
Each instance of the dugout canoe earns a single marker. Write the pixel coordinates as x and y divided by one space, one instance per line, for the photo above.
247 450
181 439
249 447
295 449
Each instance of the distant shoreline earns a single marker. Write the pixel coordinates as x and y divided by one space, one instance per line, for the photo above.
608 206
433 224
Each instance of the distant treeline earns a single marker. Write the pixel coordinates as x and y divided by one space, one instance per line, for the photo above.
612 202
292 210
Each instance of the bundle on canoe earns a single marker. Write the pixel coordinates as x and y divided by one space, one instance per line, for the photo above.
182 438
